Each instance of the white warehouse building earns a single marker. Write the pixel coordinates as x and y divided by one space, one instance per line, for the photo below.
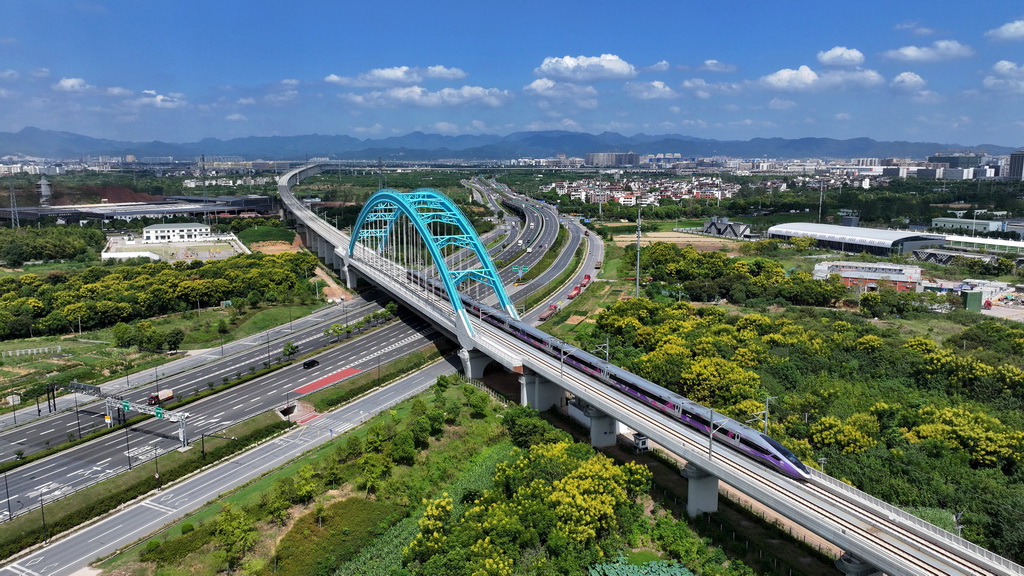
184 232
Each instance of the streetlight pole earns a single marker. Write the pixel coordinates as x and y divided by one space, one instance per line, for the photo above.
78 419
7 491
128 446
156 462
42 512
821 463
639 208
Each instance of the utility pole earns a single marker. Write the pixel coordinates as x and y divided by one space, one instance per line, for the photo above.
821 198
639 210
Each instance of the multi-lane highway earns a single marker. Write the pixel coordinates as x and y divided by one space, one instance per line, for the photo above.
70 554
70 470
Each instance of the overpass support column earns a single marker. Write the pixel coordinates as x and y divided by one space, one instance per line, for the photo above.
603 428
853 566
473 362
702 494
538 393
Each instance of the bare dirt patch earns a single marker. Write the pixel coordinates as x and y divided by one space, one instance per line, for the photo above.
681 239
575 319
276 247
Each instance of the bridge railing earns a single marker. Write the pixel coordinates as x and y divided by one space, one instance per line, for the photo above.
925 528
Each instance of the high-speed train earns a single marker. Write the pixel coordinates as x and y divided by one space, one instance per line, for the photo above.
736 435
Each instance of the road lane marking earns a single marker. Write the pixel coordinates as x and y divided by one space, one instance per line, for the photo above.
97 537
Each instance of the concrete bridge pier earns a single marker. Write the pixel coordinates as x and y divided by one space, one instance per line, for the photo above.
603 428
473 362
702 494
853 566
538 392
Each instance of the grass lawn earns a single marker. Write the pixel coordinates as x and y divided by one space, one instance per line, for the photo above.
250 236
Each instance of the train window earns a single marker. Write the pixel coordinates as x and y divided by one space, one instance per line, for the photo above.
752 446
785 452
695 417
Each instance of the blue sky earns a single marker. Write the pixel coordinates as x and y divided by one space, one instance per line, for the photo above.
180 71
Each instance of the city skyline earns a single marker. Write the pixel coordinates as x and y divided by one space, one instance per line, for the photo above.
181 72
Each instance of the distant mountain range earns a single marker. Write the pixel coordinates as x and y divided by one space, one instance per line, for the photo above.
417 146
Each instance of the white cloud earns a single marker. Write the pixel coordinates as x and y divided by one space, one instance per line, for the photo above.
72 85
915 28
290 82
912 85
378 77
245 101
586 68
118 91
236 118
907 82
1008 69
939 50
1007 77
1009 31
282 97
703 89
791 80
780 104
375 129
151 98
419 96
844 79
582 96
396 76
444 73
748 123
650 90
841 56
41 73
804 79
446 128
8 74
716 66
561 124
842 116
658 67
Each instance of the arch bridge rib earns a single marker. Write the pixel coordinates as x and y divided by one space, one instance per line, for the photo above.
440 225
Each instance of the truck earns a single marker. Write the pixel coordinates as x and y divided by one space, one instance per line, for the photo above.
548 313
586 281
575 292
160 397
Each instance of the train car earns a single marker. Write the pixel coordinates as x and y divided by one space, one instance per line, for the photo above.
732 433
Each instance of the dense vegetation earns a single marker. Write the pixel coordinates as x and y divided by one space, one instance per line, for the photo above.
908 420
21 245
102 296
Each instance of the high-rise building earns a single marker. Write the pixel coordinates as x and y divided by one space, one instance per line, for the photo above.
1016 171
957 160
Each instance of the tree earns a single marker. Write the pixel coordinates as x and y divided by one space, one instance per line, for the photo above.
403 448
174 338
236 532
290 348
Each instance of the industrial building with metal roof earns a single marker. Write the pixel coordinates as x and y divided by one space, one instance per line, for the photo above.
858 240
